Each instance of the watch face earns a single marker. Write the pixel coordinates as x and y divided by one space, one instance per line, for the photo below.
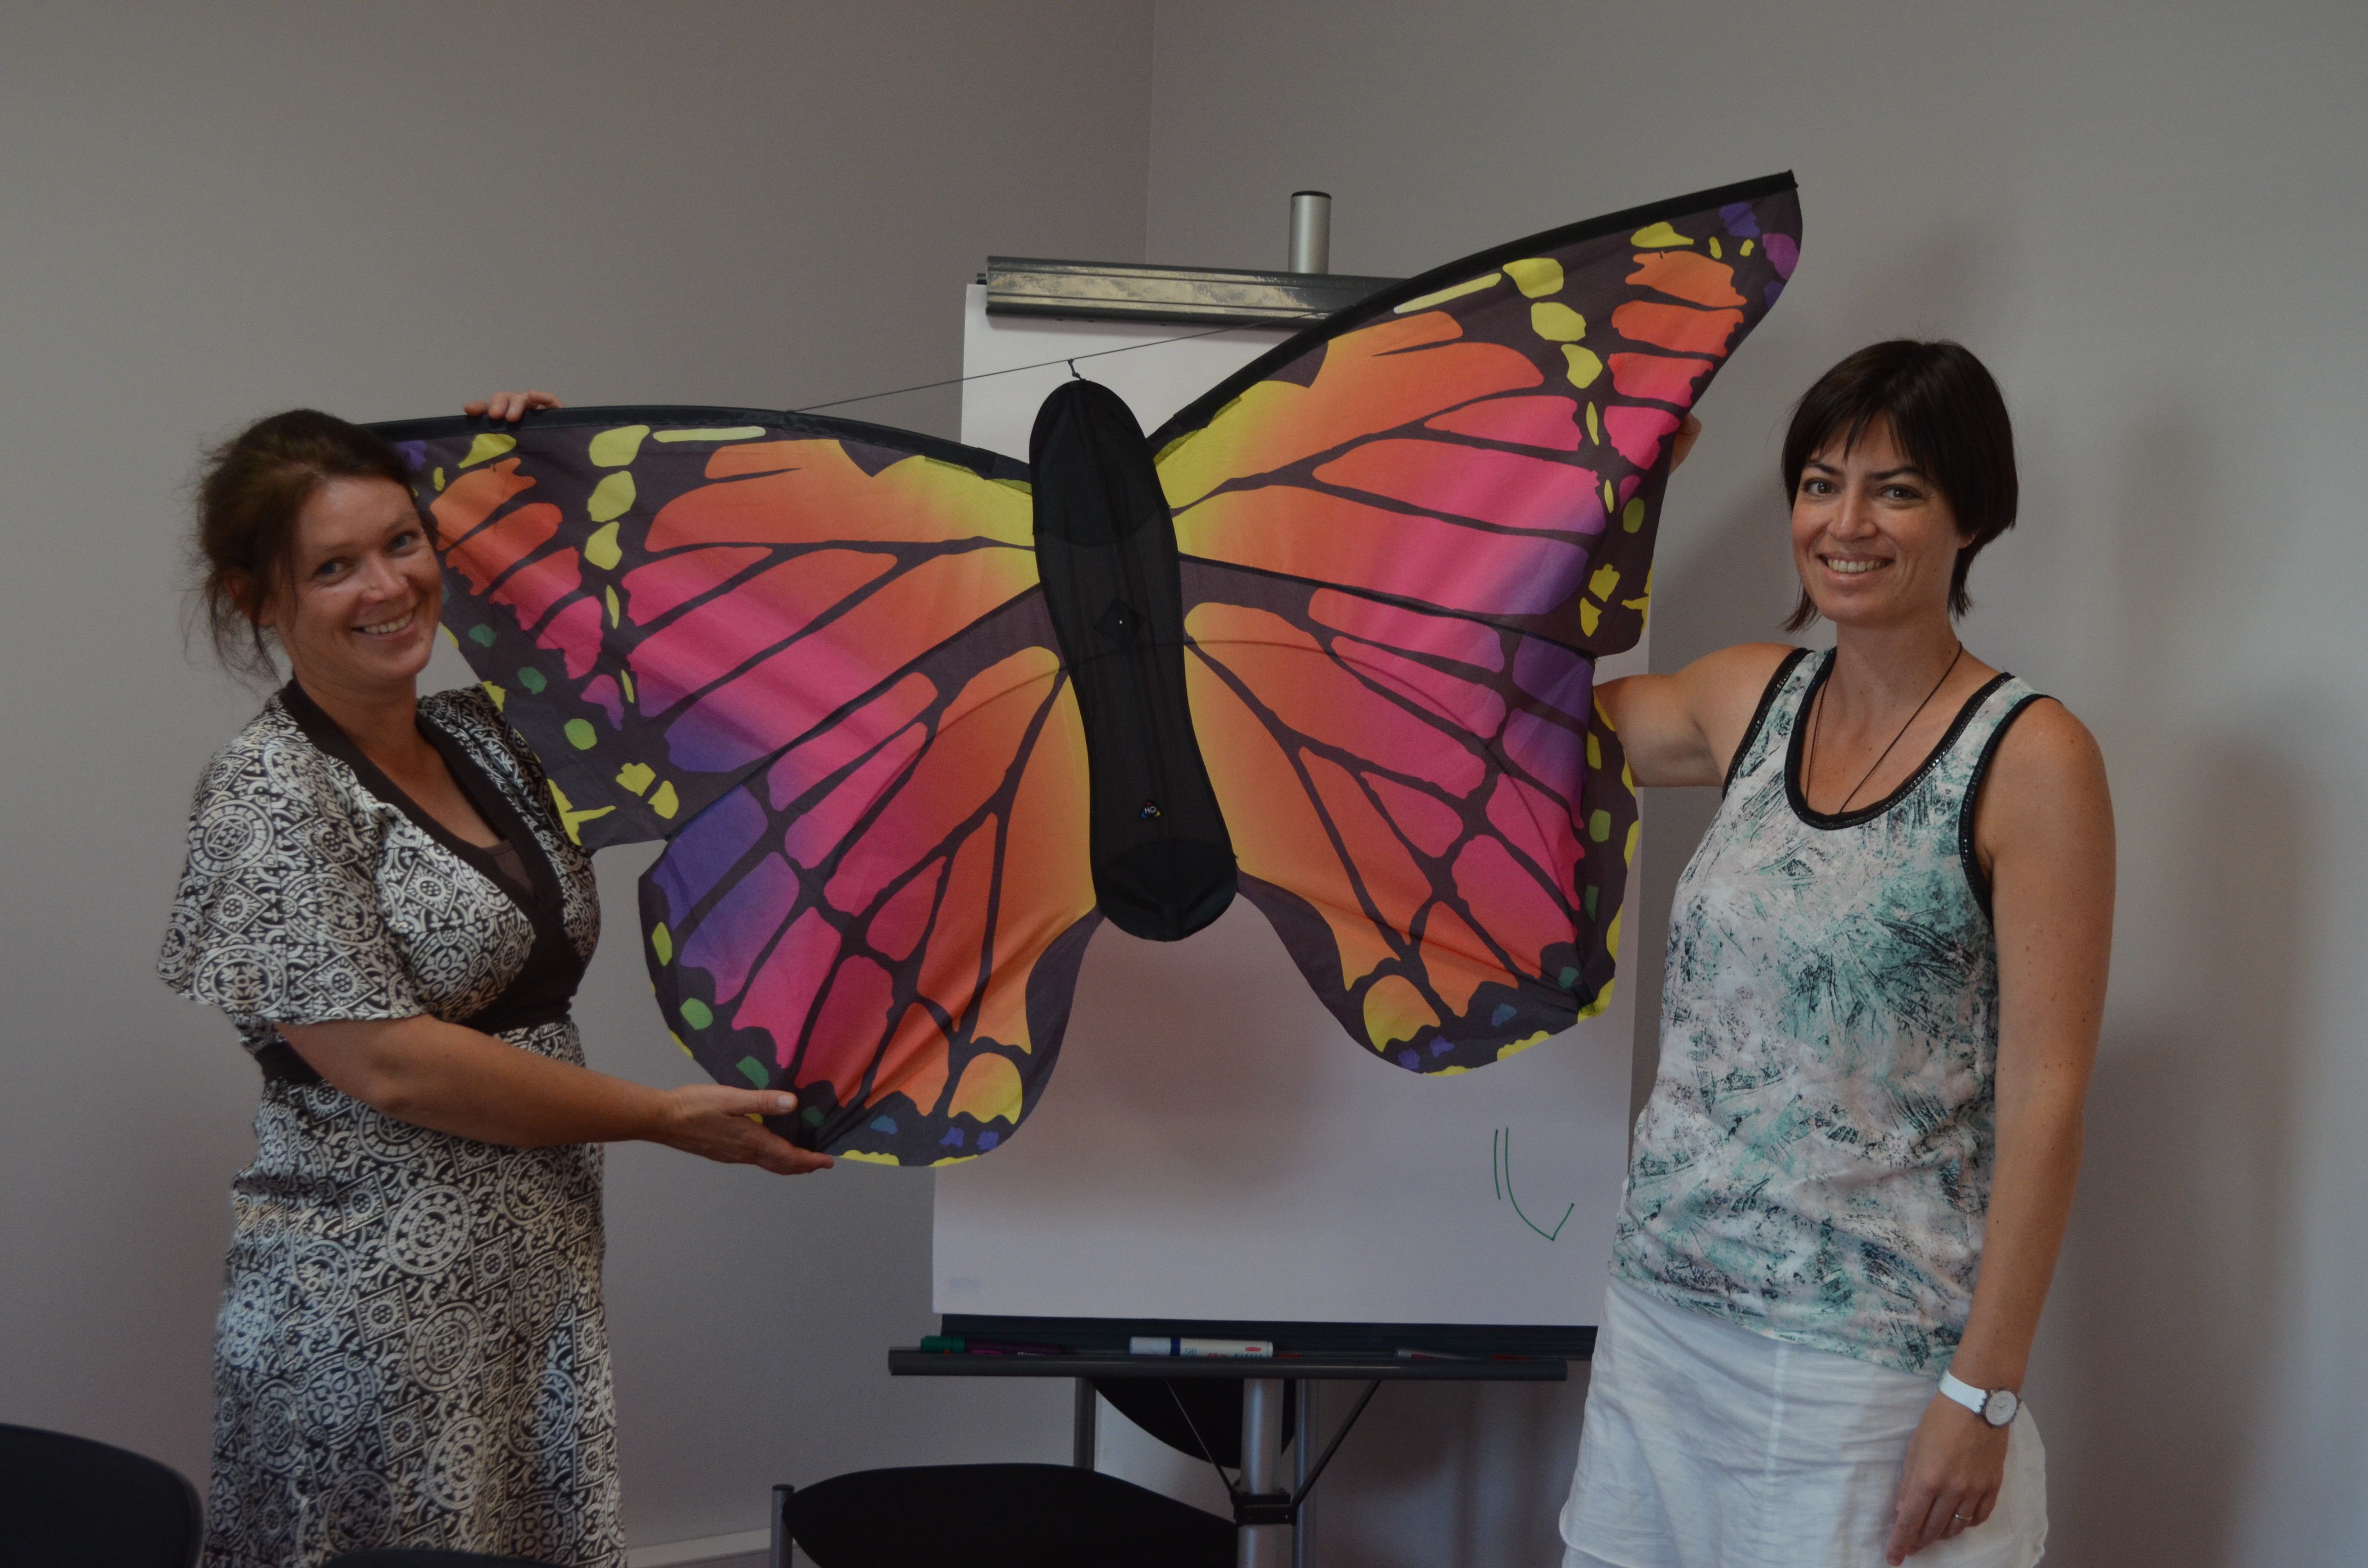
1999 1408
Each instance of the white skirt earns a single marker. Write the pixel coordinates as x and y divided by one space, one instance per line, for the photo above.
1709 1446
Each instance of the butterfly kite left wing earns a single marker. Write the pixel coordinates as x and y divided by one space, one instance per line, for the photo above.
1406 537
815 654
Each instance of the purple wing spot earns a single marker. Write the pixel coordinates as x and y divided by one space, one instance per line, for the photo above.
987 1141
1783 253
705 850
1556 676
1410 1060
1774 288
602 692
1502 1015
884 1124
952 1139
1739 221
413 454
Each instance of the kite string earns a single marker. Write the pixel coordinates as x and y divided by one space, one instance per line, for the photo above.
1068 360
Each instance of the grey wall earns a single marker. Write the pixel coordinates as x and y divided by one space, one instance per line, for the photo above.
2148 218
211 212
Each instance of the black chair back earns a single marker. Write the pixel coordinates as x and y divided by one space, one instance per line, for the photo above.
1001 1516
68 1500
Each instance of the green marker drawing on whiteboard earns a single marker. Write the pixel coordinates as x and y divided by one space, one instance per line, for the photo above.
1501 1172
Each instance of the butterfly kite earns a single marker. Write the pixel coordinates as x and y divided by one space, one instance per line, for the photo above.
914 717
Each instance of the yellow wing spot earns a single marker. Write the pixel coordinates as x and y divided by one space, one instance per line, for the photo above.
569 816
678 1042
636 776
1589 618
1627 779
862 1156
1584 367
1606 578
665 802
726 433
615 448
625 680
440 478
1394 1010
662 944
611 498
1608 502
1594 754
989 1090
1631 516
1456 293
1659 236
1628 850
1603 997
611 594
487 446
1556 322
1537 277
1746 247
1594 429
952 1160
1715 251
495 692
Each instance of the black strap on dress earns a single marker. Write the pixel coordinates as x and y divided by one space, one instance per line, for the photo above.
545 984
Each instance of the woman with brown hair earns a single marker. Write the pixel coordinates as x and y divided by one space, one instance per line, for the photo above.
378 894
1886 978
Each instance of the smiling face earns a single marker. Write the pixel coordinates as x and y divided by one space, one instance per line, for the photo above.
357 618
1874 539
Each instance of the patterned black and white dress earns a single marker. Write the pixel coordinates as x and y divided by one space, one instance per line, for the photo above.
411 1350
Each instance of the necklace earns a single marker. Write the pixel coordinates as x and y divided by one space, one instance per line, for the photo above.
1817 718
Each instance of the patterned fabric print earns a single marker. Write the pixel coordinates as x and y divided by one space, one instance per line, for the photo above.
411 1349
1815 1160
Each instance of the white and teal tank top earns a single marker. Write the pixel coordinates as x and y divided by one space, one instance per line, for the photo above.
1815 1161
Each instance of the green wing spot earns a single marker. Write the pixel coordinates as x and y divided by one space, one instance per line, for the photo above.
811 1116
483 636
1599 826
1569 976
1591 903
580 733
662 941
754 1071
532 679
695 1014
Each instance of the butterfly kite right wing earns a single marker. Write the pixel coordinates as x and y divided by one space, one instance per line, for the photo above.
1406 537
815 654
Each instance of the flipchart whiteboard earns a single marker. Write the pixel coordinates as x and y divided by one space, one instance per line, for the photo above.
1213 1145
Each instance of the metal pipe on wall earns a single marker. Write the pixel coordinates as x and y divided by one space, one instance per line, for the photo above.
1311 231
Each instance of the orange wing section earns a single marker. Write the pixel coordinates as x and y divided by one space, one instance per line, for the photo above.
1406 539
905 966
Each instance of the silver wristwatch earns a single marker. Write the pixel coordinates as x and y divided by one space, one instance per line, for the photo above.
1995 1406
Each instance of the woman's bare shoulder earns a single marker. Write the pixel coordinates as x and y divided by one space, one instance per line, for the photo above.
2046 783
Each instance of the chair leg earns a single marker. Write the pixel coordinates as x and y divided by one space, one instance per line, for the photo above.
779 1557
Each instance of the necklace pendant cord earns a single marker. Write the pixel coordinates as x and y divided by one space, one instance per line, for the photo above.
1817 718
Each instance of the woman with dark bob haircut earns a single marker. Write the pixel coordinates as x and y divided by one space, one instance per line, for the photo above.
1886 967
411 1350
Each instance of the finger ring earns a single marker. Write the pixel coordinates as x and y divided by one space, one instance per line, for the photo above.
1961 1518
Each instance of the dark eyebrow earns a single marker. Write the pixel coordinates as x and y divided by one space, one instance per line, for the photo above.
1903 468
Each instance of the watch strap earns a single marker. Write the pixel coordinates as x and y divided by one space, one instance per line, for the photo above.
1963 1393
